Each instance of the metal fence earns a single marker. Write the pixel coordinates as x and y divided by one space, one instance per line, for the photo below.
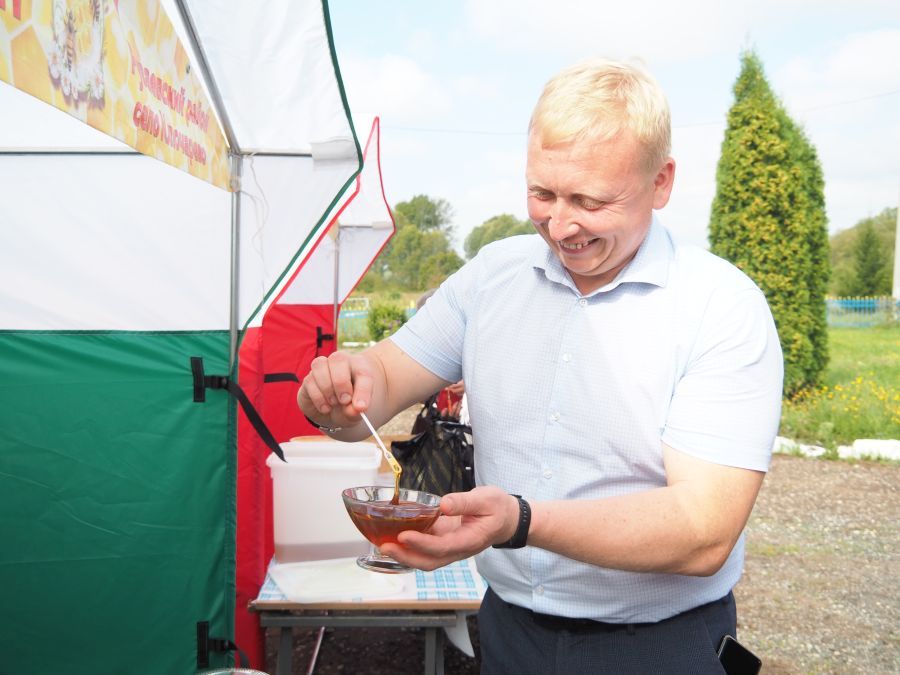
862 312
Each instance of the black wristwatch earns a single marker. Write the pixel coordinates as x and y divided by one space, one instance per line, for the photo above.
520 538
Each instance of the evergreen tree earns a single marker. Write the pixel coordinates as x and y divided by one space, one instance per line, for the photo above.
768 218
844 247
869 266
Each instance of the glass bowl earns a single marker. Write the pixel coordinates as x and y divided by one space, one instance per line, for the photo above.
380 522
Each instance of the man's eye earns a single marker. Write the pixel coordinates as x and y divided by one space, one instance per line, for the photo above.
590 204
543 196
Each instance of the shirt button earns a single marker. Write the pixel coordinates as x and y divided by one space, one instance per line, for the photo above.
548 474
539 590
567 357
582 302
554 417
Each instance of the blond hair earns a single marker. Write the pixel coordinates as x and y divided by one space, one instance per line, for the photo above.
597 100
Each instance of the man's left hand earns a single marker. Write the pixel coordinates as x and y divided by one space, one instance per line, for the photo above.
469 523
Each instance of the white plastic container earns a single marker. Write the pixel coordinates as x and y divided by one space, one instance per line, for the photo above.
309 518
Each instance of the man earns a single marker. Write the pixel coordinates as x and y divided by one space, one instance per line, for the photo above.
627 387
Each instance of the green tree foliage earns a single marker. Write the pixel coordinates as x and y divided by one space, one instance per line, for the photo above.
498 227
844 253
438 267
384 320
768 218
426 213
419 255
869 267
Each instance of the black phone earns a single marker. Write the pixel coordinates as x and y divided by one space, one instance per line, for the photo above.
736 659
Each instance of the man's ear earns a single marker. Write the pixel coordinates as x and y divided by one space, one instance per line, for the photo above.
663 182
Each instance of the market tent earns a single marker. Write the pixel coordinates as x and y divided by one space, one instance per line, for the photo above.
123 488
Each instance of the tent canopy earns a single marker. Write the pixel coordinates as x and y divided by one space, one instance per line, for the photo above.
275 90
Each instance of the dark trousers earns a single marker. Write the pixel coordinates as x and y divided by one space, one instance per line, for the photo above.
518 641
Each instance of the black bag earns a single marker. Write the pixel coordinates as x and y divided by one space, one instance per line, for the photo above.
440 458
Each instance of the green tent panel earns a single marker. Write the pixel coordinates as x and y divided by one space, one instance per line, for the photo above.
113 481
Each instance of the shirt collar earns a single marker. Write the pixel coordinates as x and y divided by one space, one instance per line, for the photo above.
650 264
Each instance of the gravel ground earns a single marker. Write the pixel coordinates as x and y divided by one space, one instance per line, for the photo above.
819 594
820 590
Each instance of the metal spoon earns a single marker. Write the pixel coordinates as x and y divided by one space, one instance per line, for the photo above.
391 460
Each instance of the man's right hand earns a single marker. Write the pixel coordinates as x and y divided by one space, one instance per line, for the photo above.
337 388
380 381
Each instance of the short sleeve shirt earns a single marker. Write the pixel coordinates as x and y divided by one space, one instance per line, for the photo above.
572 396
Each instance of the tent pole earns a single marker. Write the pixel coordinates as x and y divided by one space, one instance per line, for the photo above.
203 64
237 168
237 161
337 279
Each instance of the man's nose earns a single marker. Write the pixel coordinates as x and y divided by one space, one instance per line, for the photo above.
561 223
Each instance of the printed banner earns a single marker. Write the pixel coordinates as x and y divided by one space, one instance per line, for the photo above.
118 66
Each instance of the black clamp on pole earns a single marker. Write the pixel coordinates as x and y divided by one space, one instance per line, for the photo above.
207 644
202 382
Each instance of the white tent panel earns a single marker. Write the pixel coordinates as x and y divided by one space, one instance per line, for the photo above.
274 71
358 232
314 284
309 248
28 122
111 242
358 249
277 197
272 65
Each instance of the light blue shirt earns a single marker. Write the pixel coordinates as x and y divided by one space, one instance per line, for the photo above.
571 397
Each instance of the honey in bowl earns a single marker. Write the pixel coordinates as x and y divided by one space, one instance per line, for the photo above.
380 521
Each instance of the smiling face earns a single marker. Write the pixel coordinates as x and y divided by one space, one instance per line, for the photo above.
592 202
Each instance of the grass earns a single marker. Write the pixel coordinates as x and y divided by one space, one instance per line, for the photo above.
860 397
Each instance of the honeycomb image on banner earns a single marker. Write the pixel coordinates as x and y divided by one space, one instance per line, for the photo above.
119 68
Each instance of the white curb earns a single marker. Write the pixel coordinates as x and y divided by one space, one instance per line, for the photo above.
864 447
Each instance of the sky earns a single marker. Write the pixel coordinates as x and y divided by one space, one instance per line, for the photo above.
454 84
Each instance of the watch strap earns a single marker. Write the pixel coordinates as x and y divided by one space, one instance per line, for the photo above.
520 537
